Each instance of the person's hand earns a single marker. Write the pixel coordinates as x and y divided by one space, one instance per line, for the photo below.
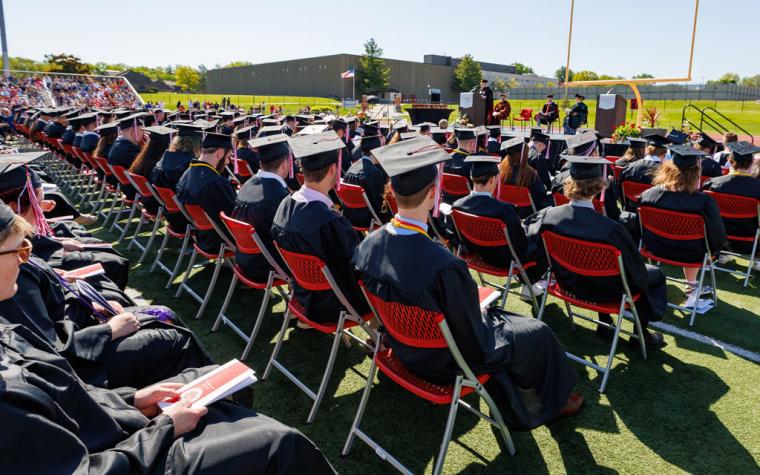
47 205
71 245
185 418
116 306
123 324
147 399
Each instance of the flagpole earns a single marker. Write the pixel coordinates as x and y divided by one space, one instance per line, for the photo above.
353 87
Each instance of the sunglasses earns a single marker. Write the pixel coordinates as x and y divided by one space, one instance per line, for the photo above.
24 251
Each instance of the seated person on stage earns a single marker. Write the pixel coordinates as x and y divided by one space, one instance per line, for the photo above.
585 145
538 156
577 116
636 151
481 202
135 347
502 110
677 189
579 220
46 408
739 182
306 223
549 111
493 144
710 168
204 185
531 378
367 174
514 170
258 200
126 147
644 170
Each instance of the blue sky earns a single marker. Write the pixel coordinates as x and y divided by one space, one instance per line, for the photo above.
619 37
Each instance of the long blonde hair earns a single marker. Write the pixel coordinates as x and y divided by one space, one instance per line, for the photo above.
189 144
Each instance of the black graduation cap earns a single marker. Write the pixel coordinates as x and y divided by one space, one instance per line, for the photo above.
370 128
706 141
240 120
370 142
228 114
149 120
685 156
107 128
245 132
466 133
312 129
339 124
7 216
411 164
400 125
269 130
214 140
676 137
205 124
483 165
494 131
584 168
635 142
185 128
579 140
131 120
316 151
12 161
409 135
425 126
512 143
742 149
271 147
288 117
269 122
159 130
542 138
580 96
657 140
85 119
304 119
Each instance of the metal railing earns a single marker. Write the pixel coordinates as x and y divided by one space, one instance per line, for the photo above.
706 118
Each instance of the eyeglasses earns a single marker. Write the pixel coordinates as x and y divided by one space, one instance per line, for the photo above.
24 251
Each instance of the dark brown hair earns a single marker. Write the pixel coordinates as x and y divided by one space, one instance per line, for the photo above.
526 175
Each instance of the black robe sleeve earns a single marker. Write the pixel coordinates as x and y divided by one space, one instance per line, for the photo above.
635 270
716 230
342 241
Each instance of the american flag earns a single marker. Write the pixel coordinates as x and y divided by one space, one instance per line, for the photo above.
348 74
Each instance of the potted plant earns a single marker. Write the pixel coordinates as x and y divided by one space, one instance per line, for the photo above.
623 131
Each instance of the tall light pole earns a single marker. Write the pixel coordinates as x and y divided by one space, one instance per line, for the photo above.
6 61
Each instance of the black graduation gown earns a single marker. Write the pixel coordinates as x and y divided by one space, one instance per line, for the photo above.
77 141
89 142
313 228
156 351
202 185
610 194
54 130
166 174
585 223
123 153
257 203
372 178
46 409
540 163
537 193
531 377
487 206
68 136
250 157
697 203
493 145
286 130
456 166
742 185
578 115
711 168
116 266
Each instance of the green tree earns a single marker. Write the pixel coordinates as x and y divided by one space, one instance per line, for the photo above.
66 63
187 78
751 81
26 64
729 78
467 74
559 74
585 76
608 77
522 69
236 64
499 85
643 76
373 75
513 83
203 71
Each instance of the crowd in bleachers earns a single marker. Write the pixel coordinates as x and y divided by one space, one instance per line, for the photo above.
29 91
92 91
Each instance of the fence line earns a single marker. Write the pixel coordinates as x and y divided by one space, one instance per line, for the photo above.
695 92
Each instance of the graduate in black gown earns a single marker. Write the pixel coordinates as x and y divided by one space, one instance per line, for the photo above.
643 171
55 128
126 148
677 189
87 138
484 172
493 144
538 156
466 146
739 182
579 220
307 223
710 167
515 170
636 151
341 128
289 126
367 174
258 200
204 185
243 150
531 378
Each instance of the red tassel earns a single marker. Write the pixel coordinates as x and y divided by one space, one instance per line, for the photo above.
438 185
340 168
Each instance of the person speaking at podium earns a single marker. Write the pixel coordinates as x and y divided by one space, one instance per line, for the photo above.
487 94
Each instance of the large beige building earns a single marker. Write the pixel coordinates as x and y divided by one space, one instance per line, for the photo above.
321 77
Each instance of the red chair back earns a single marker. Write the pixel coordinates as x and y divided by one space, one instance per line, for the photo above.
725 171
632 190
581 257
612 158
242 233
141 183
103 165
244 170
617 170
352 196
480 230
167 196
703 180
410 325
526 114
456 185
390 198
121 174
306 269
299 177
672 225
200 220
735 206
517 195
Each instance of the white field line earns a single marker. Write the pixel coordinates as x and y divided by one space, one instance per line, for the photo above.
746 354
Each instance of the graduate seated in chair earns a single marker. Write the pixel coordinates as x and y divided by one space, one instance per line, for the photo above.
532 380
307 223
367 174
578 219
515 170
135 347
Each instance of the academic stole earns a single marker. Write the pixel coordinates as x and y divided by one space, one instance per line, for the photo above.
400 223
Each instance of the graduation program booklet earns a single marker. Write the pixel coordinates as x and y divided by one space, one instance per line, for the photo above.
487 296
84 272
216 385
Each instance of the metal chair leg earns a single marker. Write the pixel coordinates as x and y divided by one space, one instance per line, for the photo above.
212 284
278 344
227 298
449 426
186 275
160 252
259 319
360 411
328 368
152 237
178 265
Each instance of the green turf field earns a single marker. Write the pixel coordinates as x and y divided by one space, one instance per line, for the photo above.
689 408
744 113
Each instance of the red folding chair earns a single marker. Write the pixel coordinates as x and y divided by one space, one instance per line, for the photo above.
526 115
739 207
591 259
145 190
420 328
169 204
354 197
612 158
616 171
491 232
311 273
127 205
632 190
247 241
226 254
108 192
517 195
244 170
560 199
678 227
455 185
703 180
390 200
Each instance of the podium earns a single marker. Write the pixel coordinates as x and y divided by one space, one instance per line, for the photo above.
474 106
610 112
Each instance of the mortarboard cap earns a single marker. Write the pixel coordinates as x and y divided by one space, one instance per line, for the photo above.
579 140
107 128
159 130
7 216
339 124
494 130
409 135
466 133
656 140
245 132
542 138
269 130
214 140
317 151
635 142
271 147
512 143
411 164
312 129
131 120
584 168
483 165
685 156
706 141
676 137
742 149
370 142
